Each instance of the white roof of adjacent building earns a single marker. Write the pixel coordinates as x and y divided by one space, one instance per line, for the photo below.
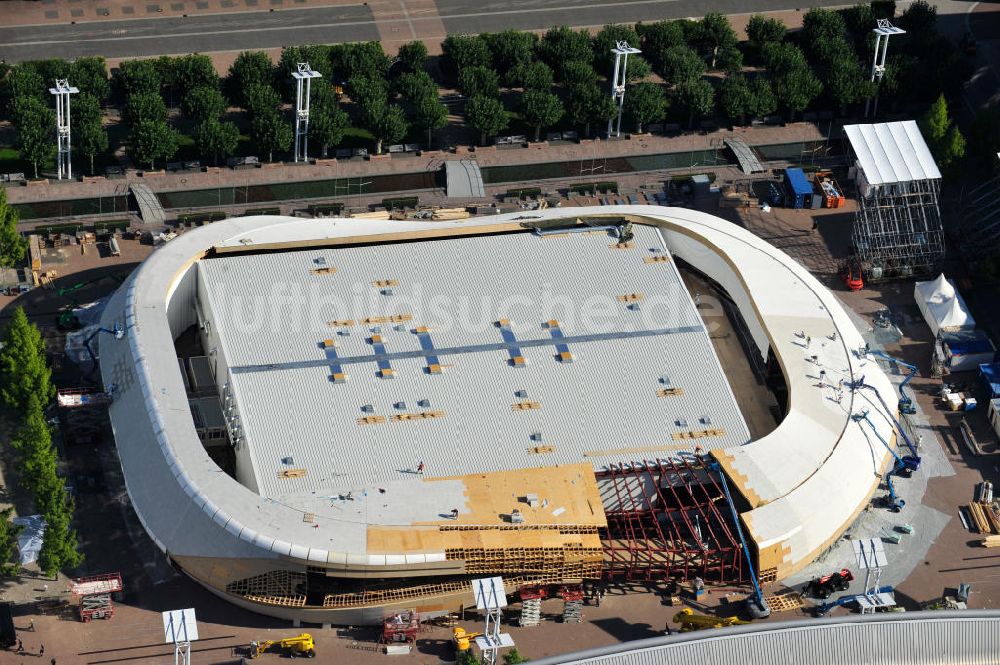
274 311
892 152
806 480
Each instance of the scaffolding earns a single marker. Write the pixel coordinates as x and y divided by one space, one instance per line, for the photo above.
898 231
897 227
664 523
979 222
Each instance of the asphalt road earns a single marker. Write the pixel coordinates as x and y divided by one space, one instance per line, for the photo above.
263 29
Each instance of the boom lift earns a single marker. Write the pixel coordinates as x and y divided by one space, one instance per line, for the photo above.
905 402
463 639
904 466
300 645
757 607
690 621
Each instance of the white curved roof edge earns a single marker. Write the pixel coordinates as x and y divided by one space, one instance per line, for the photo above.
778 469
903 637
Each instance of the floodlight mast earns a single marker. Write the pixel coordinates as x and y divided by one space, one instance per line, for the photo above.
883 30
303 73
61 92
621 52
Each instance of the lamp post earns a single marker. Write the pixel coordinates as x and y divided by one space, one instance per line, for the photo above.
303 73
61 92
621 51
883 30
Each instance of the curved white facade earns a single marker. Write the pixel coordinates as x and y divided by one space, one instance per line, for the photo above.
805 482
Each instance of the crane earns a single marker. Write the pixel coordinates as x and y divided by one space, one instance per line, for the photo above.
904 466
118 333
756 605
905 402
300 645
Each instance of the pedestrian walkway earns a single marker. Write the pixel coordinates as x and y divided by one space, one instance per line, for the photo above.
535 153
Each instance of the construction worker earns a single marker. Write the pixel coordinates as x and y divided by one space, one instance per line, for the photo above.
454 513
420 467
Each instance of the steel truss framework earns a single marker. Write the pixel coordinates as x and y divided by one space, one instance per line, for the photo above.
979 227
898 231
665 521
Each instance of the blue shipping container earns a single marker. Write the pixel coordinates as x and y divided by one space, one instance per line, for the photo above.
799 189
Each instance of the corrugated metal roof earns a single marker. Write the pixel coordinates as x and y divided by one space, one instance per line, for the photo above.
892 152
915 638
605 400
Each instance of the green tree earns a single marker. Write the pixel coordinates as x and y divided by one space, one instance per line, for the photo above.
413 56
415 86
984 139
535 76
681 64
249 69
607 39
203 103
430 114
138 76
487 115
216 139
820 27
194 71
659 37
511 49
935 123
478 81
271 133
33 443
34 121
637 69
262 99
13 247
952 148
51 69
736 98
389 126
578 73
587 105
327 126
714 35
8 543
697 98
541 109
24 374
23 80
847 83
764 102
561 45
364 59
513 657
461 51
919 20
90 75
88 127
645 103
145 106
794 83
762 30
151 140
318 56
59 542
370 96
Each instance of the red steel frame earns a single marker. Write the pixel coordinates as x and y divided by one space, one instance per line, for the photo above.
651 534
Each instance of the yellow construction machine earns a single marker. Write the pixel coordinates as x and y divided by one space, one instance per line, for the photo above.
463 640
301 645
691 621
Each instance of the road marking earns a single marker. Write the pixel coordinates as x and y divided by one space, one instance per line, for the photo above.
341 24
406 14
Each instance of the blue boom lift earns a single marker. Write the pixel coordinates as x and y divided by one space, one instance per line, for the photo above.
905 402
904 465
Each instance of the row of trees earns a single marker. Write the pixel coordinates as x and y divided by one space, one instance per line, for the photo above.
701 68
25 389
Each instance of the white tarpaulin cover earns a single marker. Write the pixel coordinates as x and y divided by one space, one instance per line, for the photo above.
942 305
29 541
892 152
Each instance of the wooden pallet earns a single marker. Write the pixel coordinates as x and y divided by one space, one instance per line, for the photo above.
341 323
423 415
382 283
630 297
322 271
371 420
538 450
525 406
784 602
670 392
623 245
662 258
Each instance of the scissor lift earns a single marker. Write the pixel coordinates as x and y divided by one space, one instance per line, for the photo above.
94 595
